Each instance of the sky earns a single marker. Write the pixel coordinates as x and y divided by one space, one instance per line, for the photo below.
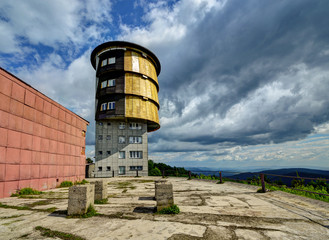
243 84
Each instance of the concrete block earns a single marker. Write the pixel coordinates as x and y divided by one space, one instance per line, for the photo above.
100 189
163 194
80 198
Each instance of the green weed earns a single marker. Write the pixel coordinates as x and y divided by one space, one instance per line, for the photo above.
84 181
174 209
101 201
46 232
91 211
26 191
66 184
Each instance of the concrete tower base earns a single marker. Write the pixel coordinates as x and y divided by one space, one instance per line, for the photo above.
121 149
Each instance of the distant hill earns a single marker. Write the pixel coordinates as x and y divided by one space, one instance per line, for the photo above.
210 171
302 172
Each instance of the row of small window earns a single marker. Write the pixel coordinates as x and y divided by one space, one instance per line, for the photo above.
123 168
108 106
108 83
122 139
122 154
122 125
108 61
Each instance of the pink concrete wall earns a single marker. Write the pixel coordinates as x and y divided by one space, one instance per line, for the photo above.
41 142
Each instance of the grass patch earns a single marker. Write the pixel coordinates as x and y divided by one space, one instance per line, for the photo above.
46 232
66 184
143 181
8 223
13 216
284 188
15 207
50 210
27 208
174 209
124 185
84 181
39 203
260 190
101 201
91 211
121 185
26 191
301 193
25 235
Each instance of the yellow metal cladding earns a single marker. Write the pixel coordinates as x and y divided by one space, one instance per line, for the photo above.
136 107
135 62
138 85
140 89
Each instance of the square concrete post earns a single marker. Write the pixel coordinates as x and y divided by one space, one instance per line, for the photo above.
80 198
100 189
163 194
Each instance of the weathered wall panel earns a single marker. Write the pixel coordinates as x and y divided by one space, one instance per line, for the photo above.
34 131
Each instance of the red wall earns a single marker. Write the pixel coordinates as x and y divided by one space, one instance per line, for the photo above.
41 142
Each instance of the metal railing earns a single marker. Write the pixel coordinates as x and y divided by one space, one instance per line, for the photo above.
262 179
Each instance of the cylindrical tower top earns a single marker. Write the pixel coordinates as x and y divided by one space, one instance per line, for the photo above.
126 83
123 44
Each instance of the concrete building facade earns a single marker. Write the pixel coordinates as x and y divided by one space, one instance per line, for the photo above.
41 142
126 107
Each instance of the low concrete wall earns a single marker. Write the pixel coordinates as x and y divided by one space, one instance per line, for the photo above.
164 194
100 189
80 198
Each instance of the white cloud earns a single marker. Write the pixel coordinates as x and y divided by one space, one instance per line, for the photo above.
73 87
168 25
233 73
51 23
232 76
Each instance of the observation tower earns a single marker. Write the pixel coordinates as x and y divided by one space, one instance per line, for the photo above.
126 107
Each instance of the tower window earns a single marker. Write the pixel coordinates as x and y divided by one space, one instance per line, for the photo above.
104 62
122 154
100 124
103 106
108 83
111 60
122 139
108 137
134 168
108 168
104 84
135 126
100 152
135 139
136 154
99 169
100 137
107 61
108 124
122 170
111 105
109 152
111 83
122 125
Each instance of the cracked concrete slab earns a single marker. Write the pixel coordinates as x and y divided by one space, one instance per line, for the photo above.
208 211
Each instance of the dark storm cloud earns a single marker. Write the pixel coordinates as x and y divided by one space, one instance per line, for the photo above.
268 57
